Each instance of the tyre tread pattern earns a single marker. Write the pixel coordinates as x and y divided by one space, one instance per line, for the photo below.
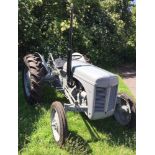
37 71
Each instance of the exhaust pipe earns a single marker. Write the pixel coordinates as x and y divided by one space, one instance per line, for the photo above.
70 50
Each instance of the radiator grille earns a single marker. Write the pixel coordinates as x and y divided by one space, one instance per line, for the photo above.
100 99
112 98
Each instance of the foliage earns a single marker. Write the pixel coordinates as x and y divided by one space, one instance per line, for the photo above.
104 30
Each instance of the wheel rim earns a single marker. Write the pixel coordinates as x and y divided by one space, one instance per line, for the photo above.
27 84
122 112
55 123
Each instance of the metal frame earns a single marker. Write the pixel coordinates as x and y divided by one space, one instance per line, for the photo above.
73 105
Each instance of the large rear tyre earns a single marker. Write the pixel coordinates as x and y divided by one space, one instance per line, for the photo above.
33 72
125 111
58 123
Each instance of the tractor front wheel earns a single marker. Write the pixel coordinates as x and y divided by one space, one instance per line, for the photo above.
125 111
58 123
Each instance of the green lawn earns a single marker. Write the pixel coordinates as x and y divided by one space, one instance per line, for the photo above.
101 137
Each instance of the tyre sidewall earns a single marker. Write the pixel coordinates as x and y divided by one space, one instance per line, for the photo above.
57 106
29 99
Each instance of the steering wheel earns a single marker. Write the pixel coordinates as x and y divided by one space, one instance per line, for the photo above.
76 56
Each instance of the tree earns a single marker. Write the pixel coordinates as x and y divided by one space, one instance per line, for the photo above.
104 30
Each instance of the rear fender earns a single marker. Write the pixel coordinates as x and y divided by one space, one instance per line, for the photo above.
43 60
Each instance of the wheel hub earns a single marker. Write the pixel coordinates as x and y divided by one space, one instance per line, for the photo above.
55 125
122 112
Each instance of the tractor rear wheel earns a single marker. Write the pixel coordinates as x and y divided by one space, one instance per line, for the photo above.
33 72
58 123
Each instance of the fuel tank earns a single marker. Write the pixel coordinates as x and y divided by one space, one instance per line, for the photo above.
93 74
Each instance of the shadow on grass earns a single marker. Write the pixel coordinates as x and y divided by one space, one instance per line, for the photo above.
117 135
28 115
75 144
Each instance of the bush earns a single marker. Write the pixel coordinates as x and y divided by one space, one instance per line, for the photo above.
103 30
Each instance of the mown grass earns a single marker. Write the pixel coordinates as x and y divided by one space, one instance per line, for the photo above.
86 137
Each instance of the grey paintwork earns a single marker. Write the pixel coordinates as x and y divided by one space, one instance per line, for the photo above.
92 77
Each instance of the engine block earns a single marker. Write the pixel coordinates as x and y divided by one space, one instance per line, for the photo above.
100 86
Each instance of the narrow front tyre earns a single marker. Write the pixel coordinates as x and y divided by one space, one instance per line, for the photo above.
58 123
125 111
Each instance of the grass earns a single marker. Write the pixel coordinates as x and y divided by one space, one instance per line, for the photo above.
86 137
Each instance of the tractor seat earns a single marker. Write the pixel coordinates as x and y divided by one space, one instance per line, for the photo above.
59 62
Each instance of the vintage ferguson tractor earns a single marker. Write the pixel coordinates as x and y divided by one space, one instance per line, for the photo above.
88 88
